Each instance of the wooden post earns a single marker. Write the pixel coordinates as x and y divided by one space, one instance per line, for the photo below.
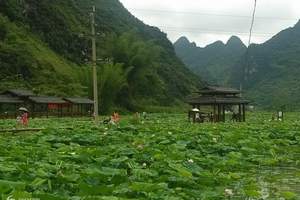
90 109
240 113
244 113
72 110
68 109
219 112
77 110
61 110
1 111
47 109
224 117
16 110
85 110
57 111
215 119
33 110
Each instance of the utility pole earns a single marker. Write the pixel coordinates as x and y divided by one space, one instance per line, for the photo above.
94 63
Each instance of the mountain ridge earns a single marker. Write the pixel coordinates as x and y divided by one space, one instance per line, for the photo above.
208 62
273 71
268 72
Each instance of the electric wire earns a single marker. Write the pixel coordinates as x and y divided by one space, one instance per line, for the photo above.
247 65
252 22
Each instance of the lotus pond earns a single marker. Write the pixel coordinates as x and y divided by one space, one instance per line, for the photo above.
163 157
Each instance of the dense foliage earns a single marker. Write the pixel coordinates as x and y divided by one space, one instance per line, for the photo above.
163 157
42 42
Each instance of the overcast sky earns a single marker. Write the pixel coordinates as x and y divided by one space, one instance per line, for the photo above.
205 21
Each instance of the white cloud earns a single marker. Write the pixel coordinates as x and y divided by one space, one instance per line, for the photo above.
205 21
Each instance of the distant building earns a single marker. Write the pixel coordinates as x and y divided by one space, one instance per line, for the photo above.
216 101
43 106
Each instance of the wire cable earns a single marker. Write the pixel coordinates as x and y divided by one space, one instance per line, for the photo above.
247 65
252 22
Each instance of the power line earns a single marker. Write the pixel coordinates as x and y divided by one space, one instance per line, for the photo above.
247 66
210 14
252 22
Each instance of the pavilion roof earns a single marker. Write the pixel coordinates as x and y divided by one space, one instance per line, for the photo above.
9 99
219 90
79 100
211 100
47 100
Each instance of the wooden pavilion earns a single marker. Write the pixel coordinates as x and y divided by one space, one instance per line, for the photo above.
219 99
79 106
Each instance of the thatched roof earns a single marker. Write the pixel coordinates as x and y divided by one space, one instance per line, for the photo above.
47 100
19 93
78 100
210 100
10 99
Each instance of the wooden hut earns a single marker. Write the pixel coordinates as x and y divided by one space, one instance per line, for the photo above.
219 99
40 106
80 106
47 106
19 93
9 106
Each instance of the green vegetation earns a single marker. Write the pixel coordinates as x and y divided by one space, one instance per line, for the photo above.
46 42
273 71
163 157
272 67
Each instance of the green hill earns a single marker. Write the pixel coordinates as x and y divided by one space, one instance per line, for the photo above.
213 63
273 71
45 46
268 72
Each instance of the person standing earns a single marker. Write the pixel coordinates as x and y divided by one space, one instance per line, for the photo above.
115 118
23 119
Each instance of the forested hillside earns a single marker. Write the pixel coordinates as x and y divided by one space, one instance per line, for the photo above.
214 62
45 46
272 71
269 72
